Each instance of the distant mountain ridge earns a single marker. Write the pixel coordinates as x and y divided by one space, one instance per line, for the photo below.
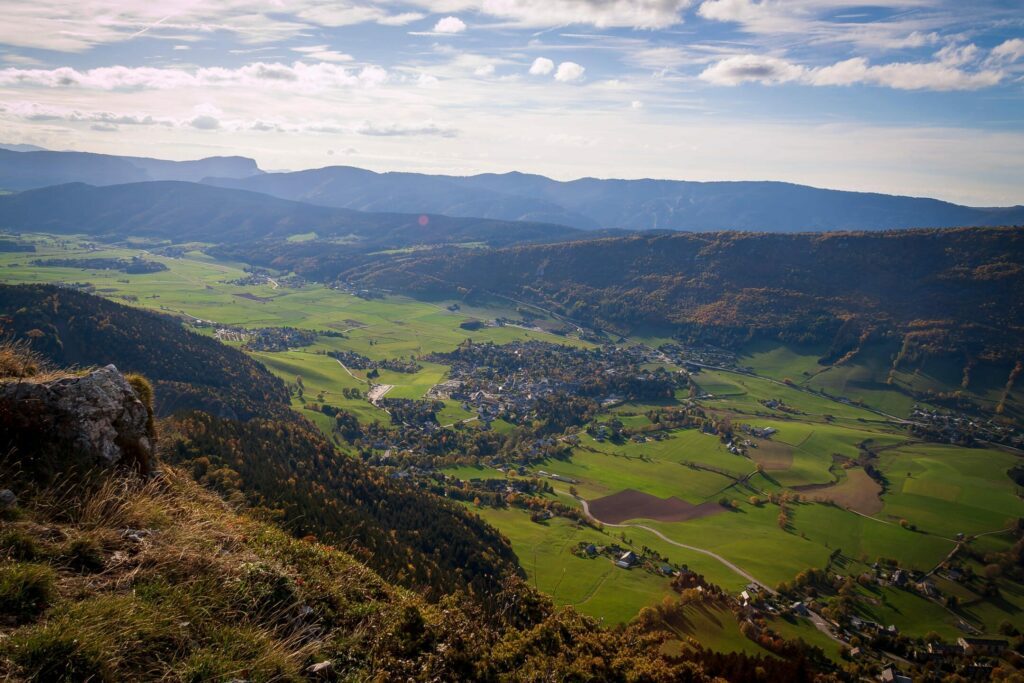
586 203
182 211
21 169
590 203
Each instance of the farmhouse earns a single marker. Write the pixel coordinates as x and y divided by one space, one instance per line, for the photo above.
626 560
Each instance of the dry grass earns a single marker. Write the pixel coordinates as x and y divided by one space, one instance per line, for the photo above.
186 589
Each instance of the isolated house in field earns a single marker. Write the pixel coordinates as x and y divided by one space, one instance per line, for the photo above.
626 560
591 550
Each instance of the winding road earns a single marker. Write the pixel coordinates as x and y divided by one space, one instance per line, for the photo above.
816 619
703 551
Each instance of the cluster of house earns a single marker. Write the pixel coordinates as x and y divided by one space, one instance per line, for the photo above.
512 400
273 339
958 428
624 558
738 446
967 657
759 432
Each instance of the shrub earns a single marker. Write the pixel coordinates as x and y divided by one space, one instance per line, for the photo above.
26 589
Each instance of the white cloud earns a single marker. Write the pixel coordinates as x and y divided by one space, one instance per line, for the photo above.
323 53
568 72
450 25
297 76
182 47
911 24
1008 51
957 55
541 66
484 70
400 20
339 13
636 104
77 26
768 70
428 128
642 14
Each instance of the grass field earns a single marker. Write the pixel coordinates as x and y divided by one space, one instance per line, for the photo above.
948 490
595 586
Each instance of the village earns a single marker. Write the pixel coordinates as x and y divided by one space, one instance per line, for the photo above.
509 381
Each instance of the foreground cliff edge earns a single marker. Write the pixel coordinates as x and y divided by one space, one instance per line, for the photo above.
114 566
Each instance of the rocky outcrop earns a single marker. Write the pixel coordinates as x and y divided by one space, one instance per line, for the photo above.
94 418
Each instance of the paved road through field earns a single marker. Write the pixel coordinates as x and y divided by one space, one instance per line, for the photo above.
730 565
816 619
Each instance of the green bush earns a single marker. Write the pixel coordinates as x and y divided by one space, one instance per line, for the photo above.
26 589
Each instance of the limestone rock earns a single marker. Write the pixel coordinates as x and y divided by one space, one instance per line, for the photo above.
96 417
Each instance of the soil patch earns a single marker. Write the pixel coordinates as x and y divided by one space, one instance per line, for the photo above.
631 504
857 492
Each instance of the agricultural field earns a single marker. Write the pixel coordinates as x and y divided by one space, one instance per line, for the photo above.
909 505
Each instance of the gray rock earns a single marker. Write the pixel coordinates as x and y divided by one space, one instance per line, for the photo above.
7 499
96 416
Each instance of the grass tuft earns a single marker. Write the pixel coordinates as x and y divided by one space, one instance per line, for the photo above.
26 590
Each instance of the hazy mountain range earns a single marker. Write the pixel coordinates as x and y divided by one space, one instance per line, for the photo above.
587 203
183 212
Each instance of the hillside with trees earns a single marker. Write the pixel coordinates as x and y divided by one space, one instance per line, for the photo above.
958 292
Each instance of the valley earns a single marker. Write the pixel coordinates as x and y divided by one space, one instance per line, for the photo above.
756 470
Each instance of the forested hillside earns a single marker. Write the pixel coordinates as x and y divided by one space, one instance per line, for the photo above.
943 291
228 420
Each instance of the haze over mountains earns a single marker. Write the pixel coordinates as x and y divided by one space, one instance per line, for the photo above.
182 211
587 203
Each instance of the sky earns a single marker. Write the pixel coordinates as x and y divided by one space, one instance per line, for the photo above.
915 97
